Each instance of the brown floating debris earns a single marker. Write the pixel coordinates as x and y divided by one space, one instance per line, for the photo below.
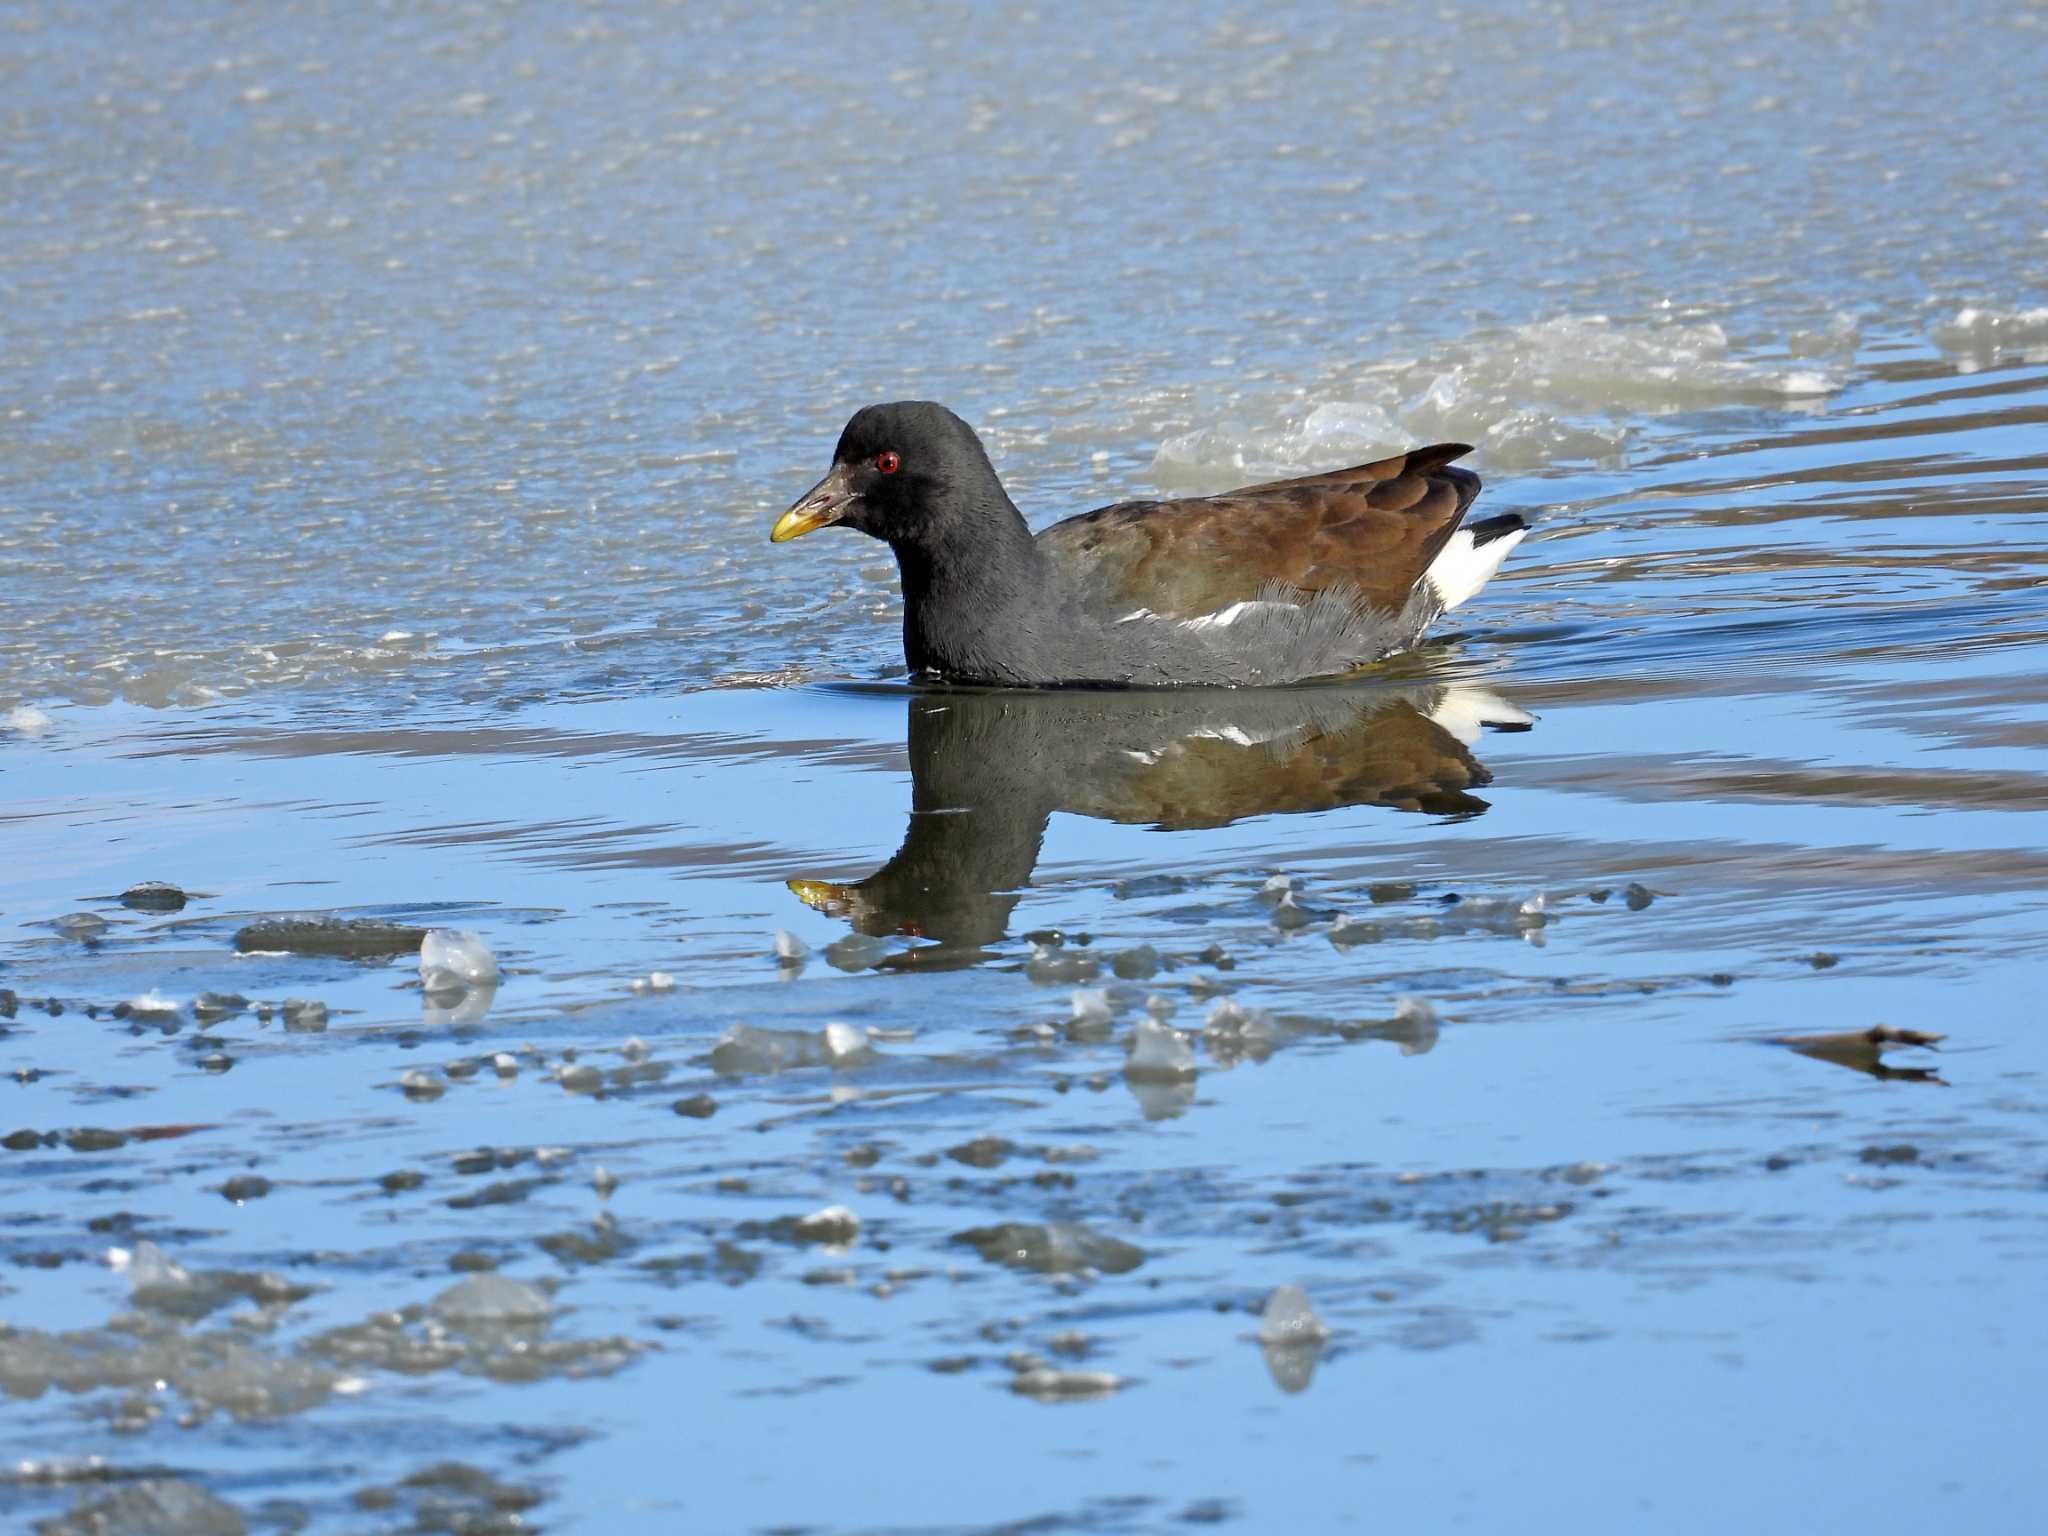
1863 1049
355 937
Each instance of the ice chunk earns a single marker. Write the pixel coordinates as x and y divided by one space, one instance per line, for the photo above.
155 1506
455 959
1051 965
303 1015
1289 1319
789 949
1051 1385
1982 327
1233 1029
152 1002
1058 1248
1348 427
1415 1026
491 1298
1292 1338
1158 1053
1091 1006
745 1049
153 896
149 1269
26 720
835 1226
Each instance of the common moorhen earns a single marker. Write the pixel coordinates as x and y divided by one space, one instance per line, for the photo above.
1268 584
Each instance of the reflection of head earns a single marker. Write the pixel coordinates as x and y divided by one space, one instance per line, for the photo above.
988 768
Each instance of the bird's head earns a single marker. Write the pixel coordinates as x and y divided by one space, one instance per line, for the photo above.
901 471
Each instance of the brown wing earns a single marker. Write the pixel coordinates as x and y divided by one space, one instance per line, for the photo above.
1376 528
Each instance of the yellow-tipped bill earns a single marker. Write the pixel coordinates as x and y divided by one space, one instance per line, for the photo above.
823 504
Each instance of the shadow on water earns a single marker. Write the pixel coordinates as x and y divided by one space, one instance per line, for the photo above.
989 769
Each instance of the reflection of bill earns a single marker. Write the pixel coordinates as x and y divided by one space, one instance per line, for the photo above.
989 768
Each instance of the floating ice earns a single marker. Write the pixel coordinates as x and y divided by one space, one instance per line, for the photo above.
26 720
1053 965
148 1268
1158 1053
1091 1006
1415 1026
789 949
1233 1030
1980 327
453 959
161 1284
835 1226
1137 963
745 1049
491 1298
153 896
152 1002
303 1015
1058 1248
655 981
1526 395
155 1506
1289 1319
1292 1338
1051 1385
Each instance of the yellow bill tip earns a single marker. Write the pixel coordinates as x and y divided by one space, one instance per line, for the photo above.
793 524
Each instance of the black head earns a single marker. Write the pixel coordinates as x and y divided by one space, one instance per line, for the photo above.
900 470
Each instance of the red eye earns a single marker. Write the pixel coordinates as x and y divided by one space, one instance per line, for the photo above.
888 463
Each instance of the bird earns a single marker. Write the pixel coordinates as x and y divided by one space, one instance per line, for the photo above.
1270 584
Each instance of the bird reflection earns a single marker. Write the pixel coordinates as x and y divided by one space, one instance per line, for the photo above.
988 769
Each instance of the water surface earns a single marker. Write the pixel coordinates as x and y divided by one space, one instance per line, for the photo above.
395 412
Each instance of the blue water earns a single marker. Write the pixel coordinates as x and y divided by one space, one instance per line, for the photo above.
395 410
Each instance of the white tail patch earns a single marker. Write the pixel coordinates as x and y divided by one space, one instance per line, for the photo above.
1464 711
1461 568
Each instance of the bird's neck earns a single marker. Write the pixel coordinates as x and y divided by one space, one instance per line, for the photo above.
966 588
